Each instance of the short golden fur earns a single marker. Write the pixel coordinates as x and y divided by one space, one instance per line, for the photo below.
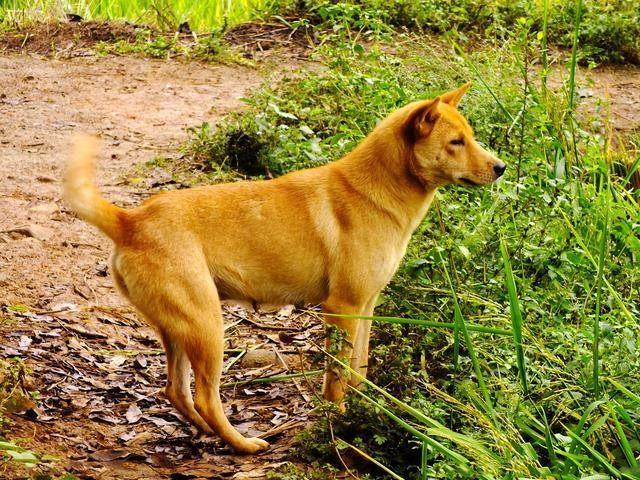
332 235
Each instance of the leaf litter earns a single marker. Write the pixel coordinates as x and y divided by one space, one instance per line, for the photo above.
100 386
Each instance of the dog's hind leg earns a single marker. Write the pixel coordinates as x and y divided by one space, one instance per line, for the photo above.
178 389
203 342
180 299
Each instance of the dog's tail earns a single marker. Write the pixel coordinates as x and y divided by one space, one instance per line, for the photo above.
81 192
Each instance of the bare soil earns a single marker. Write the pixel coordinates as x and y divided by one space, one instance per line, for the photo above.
65 37
99 370
613 93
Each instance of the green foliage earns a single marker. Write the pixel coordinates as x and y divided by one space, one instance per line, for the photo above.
549 213
151 44
610 28
308 120
163 14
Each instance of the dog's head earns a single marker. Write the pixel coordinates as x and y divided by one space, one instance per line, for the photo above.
441 144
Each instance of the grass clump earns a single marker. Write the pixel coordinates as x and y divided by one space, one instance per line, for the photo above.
152 44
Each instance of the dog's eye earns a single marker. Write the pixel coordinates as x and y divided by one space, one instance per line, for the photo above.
457 141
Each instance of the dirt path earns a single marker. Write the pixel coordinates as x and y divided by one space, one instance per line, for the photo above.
615 91
97 368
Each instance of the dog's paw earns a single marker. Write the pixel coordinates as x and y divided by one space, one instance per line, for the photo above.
251 446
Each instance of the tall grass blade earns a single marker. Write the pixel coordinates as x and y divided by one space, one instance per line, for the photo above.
633 396
583 420
273 378
462 462
457 318
631 170
635 428
516 316
597 456
596 319
467 340
419 322
574 55
545 50
343 443
548 438
423 461
622 439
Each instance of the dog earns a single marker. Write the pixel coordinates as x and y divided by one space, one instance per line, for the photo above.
332 235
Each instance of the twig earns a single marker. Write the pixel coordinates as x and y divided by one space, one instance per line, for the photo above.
304 396
281 428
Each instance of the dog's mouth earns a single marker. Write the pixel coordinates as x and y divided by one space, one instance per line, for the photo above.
468 182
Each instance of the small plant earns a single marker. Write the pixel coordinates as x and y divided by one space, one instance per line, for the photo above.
17 392
289 471
152 44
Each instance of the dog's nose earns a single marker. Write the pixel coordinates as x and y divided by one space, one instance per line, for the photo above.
499 168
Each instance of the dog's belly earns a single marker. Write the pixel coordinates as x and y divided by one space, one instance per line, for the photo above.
275 289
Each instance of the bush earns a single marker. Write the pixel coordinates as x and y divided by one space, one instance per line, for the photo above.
610 30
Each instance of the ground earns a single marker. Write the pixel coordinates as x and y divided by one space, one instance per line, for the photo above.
98 369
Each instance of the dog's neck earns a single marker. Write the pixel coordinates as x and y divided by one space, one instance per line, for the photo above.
383 172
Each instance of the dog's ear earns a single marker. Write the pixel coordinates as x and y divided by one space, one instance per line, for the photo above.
422 119
454 96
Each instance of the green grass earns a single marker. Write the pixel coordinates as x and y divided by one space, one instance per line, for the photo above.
610 29
150 44
202 16
509 336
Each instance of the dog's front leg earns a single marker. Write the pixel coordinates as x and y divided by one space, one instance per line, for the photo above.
335 379
360 357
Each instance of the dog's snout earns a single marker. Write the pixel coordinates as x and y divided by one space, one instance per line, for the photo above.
499 168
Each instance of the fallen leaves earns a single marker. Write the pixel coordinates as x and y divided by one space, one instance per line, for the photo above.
100 375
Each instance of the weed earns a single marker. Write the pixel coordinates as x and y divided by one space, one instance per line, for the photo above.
149 43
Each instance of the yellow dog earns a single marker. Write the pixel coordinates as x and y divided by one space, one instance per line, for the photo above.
332 235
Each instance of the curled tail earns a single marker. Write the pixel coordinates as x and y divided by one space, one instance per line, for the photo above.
82 194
